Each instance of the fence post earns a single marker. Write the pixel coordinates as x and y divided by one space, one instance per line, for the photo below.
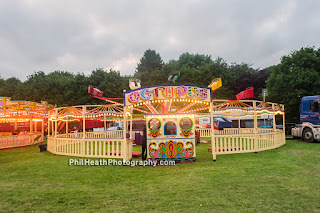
124 144
130 150
127 112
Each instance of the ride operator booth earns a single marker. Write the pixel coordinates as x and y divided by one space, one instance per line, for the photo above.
170 112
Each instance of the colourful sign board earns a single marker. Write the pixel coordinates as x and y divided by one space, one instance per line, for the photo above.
165 92
171 137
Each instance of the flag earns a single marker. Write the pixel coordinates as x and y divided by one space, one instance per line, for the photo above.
94 91
173 77
215 84
247 93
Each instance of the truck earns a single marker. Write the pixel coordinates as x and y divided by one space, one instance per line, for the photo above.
309 127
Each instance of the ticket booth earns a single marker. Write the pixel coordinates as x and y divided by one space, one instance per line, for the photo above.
171 137
169 112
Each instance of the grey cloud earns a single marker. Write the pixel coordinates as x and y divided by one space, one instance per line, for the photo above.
79 36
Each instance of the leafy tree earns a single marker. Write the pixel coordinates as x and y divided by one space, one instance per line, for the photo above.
194 61
35 88
246 76
80 86
59 87
191 68
201 70
220 69
9 87
296 76
111 83
149 63
2 82
260 82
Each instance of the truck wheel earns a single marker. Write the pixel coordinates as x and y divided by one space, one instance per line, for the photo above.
307 135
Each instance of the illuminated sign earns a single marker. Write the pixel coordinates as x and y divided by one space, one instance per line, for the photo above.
165 92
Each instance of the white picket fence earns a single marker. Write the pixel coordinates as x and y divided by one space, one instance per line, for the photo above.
94 135
204 132
243 143
105 134
20 140
91 147
227 141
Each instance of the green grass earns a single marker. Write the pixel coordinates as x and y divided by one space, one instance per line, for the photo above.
280 180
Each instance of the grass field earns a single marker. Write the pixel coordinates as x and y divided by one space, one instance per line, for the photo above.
280 180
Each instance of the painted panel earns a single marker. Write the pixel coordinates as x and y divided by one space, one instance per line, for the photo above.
170 126
171 148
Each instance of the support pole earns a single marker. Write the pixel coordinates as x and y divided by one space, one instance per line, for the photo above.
239 122
124 141
42 129
31 127
35 126
4 105
84 130
283 121
125 122
125 110
284 125
52 127
67 128
131 124
104 125
56 124
15 124
255 123
49 125
84 121
255 119
274 125
213 144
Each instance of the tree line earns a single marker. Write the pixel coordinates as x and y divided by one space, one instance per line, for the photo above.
297 75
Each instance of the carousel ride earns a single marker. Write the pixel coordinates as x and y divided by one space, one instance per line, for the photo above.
22 123
169 114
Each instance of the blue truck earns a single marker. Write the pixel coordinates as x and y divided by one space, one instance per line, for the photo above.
309 127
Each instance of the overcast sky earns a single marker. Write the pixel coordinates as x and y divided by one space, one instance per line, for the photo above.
79 36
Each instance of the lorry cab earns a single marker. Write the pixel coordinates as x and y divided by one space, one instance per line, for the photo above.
309 127
309 110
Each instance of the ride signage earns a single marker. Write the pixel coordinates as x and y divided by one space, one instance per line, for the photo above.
165 92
